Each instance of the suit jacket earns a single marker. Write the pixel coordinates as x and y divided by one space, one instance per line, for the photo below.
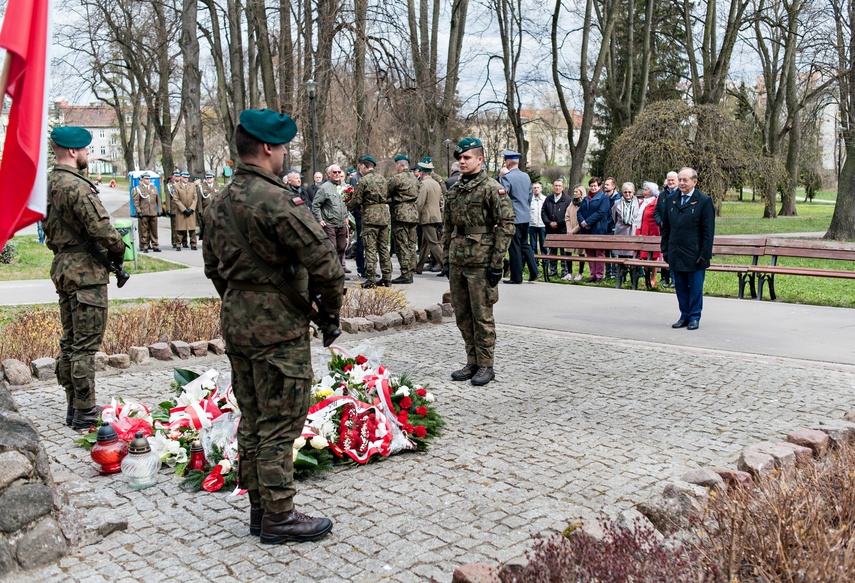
688 231
429 201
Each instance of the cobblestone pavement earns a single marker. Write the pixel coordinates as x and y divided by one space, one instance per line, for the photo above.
575 424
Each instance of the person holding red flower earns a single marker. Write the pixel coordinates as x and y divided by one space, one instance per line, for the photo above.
330 208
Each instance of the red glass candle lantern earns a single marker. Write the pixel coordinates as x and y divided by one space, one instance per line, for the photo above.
197 457
108 450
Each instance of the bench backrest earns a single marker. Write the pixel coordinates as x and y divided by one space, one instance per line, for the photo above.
811 249
744 246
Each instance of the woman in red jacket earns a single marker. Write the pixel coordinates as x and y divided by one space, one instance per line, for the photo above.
650 190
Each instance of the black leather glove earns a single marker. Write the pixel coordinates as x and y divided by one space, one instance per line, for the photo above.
494 276
117 258
446 269
187 212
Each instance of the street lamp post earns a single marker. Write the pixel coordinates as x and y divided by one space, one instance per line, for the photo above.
447 143
311 90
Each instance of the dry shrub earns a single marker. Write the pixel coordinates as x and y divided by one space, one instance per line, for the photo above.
794 526
32 333
359 302
165 320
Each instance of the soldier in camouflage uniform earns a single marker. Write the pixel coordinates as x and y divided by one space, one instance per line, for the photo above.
80 280
370 194
403 191
267 336
478 223
147 207
206 190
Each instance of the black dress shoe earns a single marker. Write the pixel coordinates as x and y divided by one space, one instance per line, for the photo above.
533 276
465 373
693 325
256 513
681 323
483 376
510 281
440 274
156 249
193 248
184 245
293 526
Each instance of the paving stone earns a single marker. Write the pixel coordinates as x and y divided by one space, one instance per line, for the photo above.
16 372
119 360
379 322
139 354
814 439
13 465
217 346
180 349
44 368
101 359
434 313
160 351
199 348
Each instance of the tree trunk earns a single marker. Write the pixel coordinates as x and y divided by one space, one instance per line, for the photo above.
286 59
225 89
264 56
842 226
363 134
191 90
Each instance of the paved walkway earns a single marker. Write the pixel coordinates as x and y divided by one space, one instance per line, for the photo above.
575 424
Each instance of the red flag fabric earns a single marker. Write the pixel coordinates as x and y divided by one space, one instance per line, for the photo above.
23 171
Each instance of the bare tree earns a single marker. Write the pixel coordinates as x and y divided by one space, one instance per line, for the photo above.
191 87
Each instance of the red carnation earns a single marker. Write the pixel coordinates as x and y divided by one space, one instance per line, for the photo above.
421 392
420 431
403 417
406 403
421 411
347 368
408 428
361 359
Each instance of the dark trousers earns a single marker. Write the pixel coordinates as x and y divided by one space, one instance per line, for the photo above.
520 250
689 286
338 238
359 250
536 237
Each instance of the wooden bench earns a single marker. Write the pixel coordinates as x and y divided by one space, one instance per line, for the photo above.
802 248
635 267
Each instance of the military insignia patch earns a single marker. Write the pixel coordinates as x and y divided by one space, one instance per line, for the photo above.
297 200
502 191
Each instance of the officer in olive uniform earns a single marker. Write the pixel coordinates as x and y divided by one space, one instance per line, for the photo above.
184 204
403 194
267 336
370 194
75 215
169 206
478 223
147 206
206 190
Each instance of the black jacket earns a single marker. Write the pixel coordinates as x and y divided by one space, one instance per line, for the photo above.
554 212
688 231
660 204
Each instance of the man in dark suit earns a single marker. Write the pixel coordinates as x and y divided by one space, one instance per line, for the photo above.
668 190
688 228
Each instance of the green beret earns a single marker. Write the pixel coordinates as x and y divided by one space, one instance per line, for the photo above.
350 170
466 144
368 160
401 157
426 160
268 126
71 137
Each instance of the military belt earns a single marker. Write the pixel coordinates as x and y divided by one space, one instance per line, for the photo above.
72 249
371 206
264 287
461 230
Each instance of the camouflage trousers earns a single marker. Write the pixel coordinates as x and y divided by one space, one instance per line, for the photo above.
83 314
473 299
376 241
148 232
406 239
272 385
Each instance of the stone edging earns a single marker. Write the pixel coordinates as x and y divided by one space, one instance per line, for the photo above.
16 373
683 500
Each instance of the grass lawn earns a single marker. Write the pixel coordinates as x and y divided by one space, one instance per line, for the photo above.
33 262
746 218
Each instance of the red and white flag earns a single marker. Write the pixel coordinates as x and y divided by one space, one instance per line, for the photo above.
23 170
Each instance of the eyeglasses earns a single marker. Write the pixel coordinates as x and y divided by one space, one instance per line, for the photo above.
337 172
628 191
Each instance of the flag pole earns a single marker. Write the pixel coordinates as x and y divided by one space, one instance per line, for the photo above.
4 78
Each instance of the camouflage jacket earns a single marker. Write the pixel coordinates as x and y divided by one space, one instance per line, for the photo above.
146 200
284 233
76 200
370 193
403 190
206 192
478 223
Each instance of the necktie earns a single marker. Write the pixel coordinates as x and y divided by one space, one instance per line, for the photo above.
684 200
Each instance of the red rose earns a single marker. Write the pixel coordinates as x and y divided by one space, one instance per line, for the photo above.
361 359
420 431
421 392
403 417
347 368
421 411
406 403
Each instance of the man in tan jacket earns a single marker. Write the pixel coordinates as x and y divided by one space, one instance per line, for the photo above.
430 217
184 207
147 207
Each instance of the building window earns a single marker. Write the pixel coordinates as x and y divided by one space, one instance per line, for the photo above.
101 134
103 150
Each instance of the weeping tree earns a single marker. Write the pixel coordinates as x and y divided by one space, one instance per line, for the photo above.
671 134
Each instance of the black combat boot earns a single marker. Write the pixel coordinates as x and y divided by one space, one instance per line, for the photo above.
280 527
69 414
85 418
368 284
256 514
465 373
384 283
483 376
401 279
